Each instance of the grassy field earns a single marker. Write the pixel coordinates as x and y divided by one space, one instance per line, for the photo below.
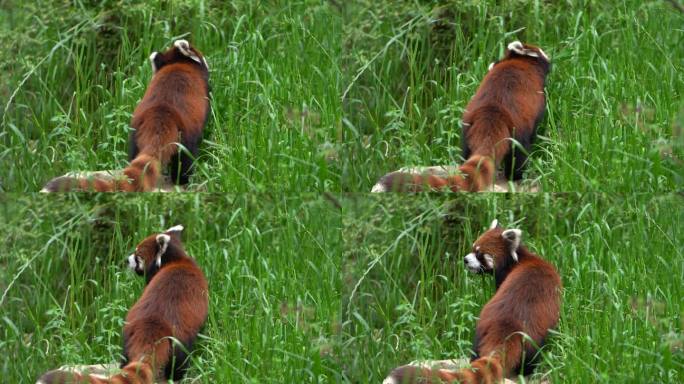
313 96
613 93
272 265
407 295
75 71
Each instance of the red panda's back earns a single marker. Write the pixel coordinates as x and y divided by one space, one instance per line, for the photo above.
515 86
182 88
177 295
528 300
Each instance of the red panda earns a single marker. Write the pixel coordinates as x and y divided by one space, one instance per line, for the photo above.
173 110
526 302
174 304
508 105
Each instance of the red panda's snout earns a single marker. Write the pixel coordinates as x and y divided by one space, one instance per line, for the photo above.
479 262
136 264
495 248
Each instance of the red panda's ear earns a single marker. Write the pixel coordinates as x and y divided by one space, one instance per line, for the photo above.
494 224
512 237
184 48
153 63
175 231
517 47
163 243
176 228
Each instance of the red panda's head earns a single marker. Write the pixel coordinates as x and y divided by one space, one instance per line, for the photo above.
494 249
518 49
181 52
154 251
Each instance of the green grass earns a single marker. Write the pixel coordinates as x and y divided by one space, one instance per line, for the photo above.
272 266
314 96
77 70
408 296
613 93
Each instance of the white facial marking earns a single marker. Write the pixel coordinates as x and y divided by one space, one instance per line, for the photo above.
131 262
477 248
175 228
184 47
494 224
154 66
379 188
489 261
472 263
491 66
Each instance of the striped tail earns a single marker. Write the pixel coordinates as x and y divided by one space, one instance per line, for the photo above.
476 174
136 372
141 175
485 370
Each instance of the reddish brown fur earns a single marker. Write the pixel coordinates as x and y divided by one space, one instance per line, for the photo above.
527 300
174 304
173 110
508 105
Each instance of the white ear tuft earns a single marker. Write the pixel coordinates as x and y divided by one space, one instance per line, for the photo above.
184 47
544 55
494 224
163 241
513 237
491 65
152 57
175 228
516 47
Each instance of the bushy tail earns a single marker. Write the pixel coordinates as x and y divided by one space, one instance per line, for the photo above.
134 373
141 175
476 174
485 370
141 370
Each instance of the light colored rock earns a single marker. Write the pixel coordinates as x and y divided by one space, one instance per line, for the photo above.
501 184
101 371
166 186
456 364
